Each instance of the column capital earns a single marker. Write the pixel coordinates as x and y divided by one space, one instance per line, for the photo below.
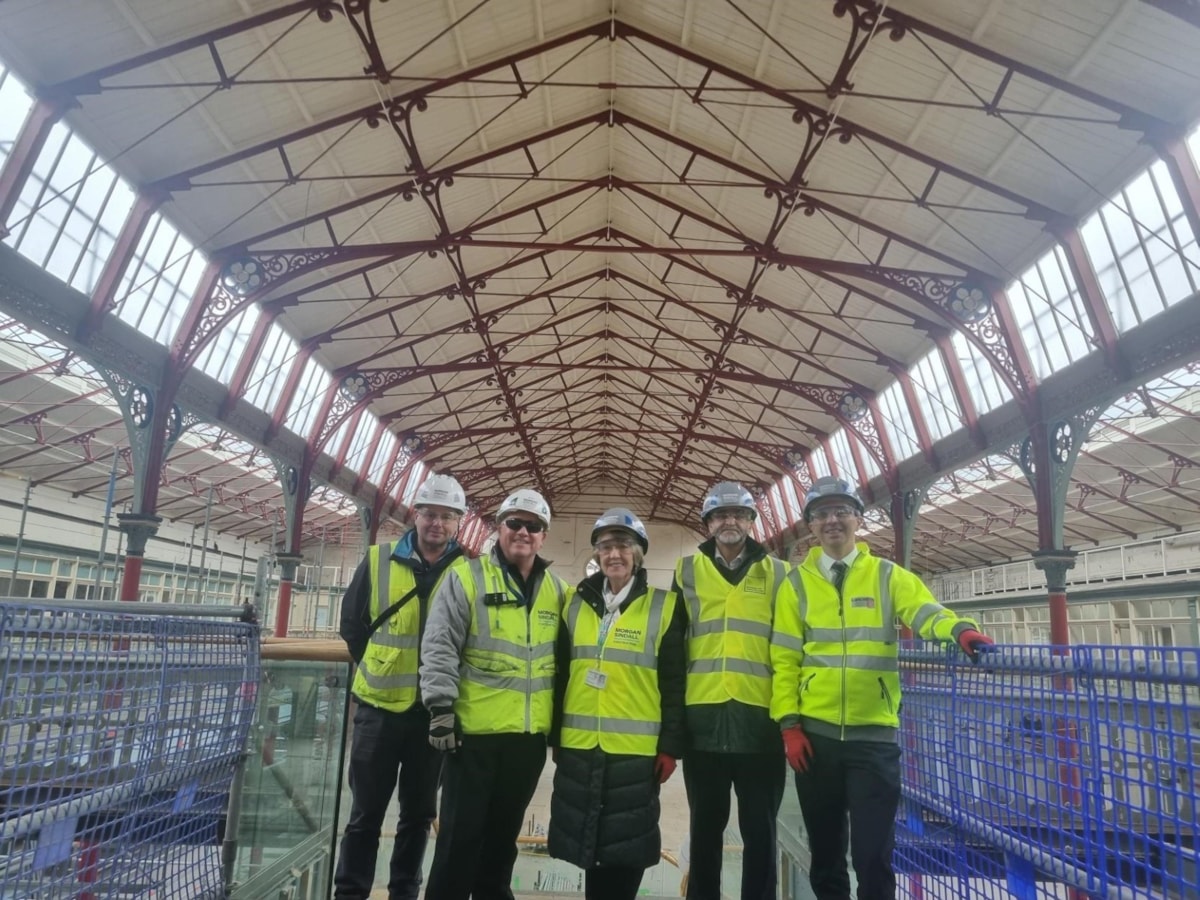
1056 564
288 563
138 529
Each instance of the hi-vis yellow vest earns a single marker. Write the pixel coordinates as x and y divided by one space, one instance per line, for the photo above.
625 714
729 630
506 683
387 675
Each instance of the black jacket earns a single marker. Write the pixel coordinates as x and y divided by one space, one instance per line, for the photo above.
732 726
604 809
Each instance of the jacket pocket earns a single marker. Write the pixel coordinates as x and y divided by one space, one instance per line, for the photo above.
886 696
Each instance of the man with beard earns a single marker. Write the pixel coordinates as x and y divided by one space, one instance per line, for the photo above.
383 612
836 690
729 590
487 677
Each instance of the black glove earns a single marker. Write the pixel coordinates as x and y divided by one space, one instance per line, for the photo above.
443 730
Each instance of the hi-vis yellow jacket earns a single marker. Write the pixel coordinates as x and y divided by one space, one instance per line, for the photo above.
488 655
835 658
729 630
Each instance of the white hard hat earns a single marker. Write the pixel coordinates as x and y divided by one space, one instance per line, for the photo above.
621 519
442 490
727 495
831 486
525 500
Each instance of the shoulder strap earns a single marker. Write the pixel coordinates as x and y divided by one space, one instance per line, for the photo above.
382 618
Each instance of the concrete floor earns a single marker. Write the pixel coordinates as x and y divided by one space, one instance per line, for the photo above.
536 875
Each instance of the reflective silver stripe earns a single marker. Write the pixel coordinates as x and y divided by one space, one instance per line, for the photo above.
927 612
780 574
573 615
510 682
687 584
495 645
610 725
886 607
749 626
383 580
699 629
789 641
631 657
579 652
388 682
538 651
854 661
801 596
837 635
385 638
740 666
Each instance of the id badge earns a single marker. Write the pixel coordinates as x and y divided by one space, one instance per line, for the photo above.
595 678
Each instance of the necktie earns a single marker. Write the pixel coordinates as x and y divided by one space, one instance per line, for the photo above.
839 575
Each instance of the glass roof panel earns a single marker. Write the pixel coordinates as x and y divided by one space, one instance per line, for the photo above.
1143 249
1050 314
897 420
935 395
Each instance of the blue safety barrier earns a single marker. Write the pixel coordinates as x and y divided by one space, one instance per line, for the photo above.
1050 772
119 736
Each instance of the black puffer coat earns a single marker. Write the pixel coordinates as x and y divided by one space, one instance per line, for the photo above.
604 810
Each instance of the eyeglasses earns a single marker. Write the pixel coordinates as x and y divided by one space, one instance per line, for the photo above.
615 544
726 515
832 512
443 518
518 524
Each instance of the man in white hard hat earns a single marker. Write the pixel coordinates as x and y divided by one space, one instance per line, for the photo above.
383 612
487 678
729 590
837 690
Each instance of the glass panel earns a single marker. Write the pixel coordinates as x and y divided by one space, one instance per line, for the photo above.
984 385
898 421
69 211
275 359
303 411
818 463
159 281
293 779
367 428
15 104
415 476
383 453
935 396
842 457
1143 249
788 485
221 355
1050 314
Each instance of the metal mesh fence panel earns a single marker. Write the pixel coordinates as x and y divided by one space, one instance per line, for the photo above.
119 735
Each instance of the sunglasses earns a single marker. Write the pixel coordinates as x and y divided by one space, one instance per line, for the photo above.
518 524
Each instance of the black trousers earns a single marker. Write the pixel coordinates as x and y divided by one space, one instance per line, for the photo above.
611 883
387 747
486 786
758 779
860 779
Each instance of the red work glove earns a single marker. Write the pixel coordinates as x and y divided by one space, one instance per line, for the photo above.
664 767
973 642
796 748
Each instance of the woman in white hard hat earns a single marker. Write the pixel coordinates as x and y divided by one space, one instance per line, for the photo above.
487 678
619 713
